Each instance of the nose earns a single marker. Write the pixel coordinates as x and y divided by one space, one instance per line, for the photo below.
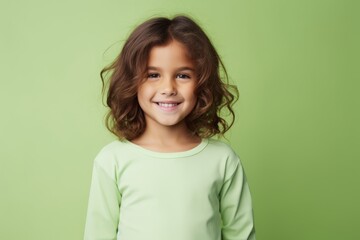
168 87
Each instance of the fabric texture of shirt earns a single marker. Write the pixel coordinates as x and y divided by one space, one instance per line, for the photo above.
139 194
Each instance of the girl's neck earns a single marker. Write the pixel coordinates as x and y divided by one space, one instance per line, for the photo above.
167 139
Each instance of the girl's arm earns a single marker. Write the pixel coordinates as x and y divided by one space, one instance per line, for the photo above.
235 205
104 204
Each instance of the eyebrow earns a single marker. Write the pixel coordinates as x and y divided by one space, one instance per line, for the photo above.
179 69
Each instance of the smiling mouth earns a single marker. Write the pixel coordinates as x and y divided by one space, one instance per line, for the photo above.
167 105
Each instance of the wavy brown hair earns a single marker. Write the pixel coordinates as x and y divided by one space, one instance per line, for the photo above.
122 78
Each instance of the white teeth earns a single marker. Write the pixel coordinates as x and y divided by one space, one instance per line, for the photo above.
167 105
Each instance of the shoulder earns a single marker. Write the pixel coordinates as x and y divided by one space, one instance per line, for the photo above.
113 147
109 155
230 160
221 147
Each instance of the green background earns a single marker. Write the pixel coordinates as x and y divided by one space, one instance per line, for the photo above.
296 64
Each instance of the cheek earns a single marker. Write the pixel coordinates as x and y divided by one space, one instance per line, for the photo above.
191 96
143 92
191 93
141 97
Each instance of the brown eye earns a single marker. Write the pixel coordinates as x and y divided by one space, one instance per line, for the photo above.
153 75
183 76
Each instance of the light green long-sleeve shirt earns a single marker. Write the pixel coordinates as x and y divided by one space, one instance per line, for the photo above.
138 194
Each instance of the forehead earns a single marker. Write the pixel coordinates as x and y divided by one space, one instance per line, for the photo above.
172 55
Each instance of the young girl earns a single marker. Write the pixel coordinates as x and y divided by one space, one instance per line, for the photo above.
165 179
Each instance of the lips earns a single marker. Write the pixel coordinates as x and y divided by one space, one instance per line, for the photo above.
167 105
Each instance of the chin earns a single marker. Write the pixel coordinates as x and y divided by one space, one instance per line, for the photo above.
171 123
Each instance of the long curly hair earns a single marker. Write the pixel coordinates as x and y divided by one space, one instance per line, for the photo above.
122 78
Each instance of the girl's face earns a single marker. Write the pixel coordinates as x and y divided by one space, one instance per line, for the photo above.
167 95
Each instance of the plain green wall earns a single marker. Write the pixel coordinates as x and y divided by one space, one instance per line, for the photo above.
296 64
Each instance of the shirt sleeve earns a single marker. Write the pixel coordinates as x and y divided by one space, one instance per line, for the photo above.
104 204
236 206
